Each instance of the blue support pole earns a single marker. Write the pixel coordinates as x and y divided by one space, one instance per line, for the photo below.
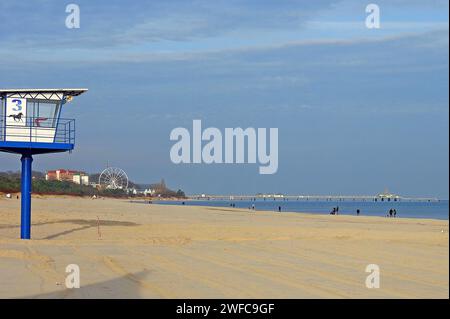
25 227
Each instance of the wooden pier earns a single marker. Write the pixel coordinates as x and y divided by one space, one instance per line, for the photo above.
332 198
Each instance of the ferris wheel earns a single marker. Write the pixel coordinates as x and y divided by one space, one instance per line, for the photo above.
113 178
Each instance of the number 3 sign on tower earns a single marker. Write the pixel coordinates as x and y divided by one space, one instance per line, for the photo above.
16 111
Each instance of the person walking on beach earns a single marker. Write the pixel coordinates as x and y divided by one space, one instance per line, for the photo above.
279 209
391 212
395 213
337 210
357 212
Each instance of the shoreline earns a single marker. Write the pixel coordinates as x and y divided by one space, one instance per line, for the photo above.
247 210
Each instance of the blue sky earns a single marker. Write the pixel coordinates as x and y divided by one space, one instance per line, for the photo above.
358 109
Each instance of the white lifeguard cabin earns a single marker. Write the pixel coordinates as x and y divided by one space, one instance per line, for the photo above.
31 123
30 118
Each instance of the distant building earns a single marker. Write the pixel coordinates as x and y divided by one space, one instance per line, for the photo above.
270 195
149 192
145 192
388 196
81 179
76 177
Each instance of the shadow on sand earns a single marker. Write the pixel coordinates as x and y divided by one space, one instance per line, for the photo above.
84 223
128 287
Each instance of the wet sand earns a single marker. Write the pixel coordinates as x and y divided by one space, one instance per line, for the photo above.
152 251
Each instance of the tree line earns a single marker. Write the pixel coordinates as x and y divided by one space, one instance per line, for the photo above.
10 183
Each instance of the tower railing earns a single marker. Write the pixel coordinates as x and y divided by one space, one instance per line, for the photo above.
37 129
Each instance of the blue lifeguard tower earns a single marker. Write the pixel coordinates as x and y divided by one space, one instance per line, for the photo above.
30 124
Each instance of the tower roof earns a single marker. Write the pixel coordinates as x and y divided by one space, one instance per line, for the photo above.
71 92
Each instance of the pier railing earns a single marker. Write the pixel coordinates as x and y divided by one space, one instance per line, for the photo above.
336 198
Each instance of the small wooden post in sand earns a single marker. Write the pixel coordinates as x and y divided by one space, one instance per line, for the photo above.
98 228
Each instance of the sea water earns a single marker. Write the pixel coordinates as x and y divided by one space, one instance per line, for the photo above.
410 209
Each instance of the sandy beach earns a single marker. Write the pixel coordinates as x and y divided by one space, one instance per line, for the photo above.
156 251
